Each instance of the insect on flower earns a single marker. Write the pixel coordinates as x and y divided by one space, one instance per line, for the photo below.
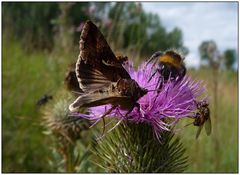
162 110
101 75
170 65
202 117
112 89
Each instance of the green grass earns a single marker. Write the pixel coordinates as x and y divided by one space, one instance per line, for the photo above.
28 76
202 152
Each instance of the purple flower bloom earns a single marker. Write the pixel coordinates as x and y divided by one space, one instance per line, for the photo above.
160 110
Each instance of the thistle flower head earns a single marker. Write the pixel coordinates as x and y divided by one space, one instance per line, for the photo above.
161 110
57 120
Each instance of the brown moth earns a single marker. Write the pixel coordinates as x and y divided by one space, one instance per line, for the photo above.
101 75
203 118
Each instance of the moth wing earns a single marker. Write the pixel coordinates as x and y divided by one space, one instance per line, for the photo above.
199 131
89 78
97 99
94 50
208 126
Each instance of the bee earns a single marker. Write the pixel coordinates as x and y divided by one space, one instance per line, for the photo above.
101 76
202 117
170 65
44 99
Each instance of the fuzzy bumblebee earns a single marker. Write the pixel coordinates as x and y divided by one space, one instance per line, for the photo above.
169 65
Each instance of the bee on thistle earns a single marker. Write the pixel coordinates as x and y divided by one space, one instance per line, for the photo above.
169 65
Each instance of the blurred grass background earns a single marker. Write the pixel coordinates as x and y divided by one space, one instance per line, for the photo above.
40 43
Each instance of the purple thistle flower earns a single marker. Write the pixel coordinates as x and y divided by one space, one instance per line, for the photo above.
160 110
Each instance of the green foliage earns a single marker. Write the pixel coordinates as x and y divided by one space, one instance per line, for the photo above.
69 152
35 24
64 34
201 152
133 148
209 52
26 77
143 32
30 23
53 25
229 58
203 49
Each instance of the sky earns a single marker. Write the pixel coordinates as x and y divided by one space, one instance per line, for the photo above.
199 21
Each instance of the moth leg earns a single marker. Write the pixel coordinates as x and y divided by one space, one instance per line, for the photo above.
135 105
106 113
138 106
129 111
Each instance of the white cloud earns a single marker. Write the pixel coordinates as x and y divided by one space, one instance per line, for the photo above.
199 21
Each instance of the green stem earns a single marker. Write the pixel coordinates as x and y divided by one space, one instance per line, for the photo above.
216 140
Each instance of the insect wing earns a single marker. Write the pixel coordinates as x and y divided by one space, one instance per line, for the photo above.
95 51
98 98
90 78
199 131
208 126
